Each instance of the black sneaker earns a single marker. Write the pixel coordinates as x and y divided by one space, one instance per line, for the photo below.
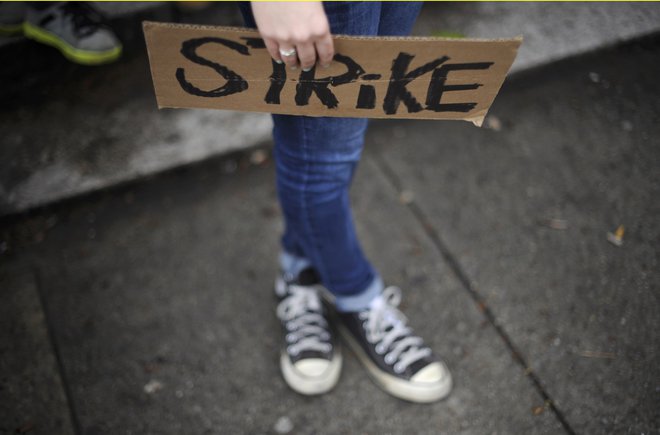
396 359
310 359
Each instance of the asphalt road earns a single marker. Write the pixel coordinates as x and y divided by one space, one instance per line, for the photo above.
146 308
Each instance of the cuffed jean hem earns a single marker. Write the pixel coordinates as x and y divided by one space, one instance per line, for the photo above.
292 265
362 300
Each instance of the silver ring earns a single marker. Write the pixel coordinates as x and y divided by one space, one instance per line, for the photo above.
287 53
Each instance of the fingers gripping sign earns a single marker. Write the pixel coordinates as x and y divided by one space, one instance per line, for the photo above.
297 33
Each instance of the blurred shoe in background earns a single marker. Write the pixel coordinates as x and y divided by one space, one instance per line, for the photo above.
76 29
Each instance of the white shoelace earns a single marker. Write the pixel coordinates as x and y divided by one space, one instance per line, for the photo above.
301 314
386 328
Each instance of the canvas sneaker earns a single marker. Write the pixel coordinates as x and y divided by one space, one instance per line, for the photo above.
397 359
76 29
310 358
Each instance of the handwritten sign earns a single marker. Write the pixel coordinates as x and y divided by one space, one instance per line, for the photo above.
370 77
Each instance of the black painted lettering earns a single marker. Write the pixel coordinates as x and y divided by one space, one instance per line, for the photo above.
397 92
308 84
437 87
371 77
235 83
278 76
277 82
366 97
254 42
353 71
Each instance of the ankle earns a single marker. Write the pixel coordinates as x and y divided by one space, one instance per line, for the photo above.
291 264
362 300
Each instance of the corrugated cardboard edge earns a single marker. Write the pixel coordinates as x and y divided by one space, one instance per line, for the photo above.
148 24
479 119
476 119
145 27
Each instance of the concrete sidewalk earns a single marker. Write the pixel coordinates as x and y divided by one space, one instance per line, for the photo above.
147 308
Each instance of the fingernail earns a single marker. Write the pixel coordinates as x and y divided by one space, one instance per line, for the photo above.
278 61
307 69
294 68
326 66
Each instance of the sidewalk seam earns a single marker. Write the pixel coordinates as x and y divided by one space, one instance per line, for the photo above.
73 415
462 277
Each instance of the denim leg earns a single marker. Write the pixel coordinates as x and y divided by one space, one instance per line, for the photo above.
246 12
397 18
315 162
316 159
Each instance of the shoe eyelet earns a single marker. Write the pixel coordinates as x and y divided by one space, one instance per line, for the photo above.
293 351
389 359
290 338
397 368
379 349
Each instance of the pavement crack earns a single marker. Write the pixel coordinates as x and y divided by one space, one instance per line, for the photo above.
73 414
461 275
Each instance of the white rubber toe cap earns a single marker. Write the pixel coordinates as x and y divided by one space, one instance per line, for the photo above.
312 367
311 375
432 373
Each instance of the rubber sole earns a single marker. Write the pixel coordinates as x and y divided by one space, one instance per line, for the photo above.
84 57
406 390
311 386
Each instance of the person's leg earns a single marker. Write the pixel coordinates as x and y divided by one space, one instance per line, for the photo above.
397 18
316 159
396 358
315 162
319 227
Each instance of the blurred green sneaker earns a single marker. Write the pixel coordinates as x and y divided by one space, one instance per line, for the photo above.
76 29
12 15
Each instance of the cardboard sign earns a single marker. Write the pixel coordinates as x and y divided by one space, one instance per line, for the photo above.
370 77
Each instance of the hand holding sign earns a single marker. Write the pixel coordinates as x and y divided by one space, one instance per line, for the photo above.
298 28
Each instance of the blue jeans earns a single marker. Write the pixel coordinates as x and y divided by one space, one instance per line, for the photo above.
315 162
